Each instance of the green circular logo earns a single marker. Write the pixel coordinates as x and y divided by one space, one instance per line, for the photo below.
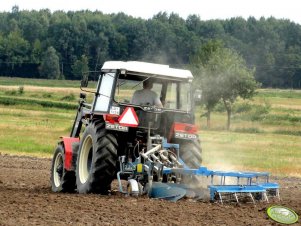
282 214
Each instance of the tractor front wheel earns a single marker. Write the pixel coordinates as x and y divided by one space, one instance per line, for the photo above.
97 159
61 179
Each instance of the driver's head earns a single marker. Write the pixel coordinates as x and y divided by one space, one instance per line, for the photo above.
148 84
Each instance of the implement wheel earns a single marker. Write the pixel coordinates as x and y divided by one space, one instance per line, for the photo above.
61 179
97 159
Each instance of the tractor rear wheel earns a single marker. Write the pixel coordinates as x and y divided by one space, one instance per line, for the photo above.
61 179
97 159
191 153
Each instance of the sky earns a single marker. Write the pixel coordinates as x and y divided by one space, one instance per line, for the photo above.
206 9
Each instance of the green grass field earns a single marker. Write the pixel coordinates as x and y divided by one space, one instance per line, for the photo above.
265 132
37 82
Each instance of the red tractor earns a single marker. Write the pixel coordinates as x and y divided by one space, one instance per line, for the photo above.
116 136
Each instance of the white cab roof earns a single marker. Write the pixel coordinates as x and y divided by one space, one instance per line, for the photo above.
157 70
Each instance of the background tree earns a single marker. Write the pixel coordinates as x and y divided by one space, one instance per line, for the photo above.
80 67
271 45
232 77
204 53
50 67
210 97
15 49
206 77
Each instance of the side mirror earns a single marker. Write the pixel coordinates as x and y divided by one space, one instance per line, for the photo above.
84 82
82 96
197 95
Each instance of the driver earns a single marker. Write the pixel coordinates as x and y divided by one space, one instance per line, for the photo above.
146 96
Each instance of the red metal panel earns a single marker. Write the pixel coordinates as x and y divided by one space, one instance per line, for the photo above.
183 128
68 151
111 118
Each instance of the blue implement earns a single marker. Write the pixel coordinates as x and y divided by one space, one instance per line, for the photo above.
246 184
235 189
164 191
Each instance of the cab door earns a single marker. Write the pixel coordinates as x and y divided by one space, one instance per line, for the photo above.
104 95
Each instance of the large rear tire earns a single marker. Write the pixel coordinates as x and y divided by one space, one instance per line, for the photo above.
97 159
61 179
191 153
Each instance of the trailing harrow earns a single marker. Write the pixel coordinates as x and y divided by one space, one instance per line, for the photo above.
167 177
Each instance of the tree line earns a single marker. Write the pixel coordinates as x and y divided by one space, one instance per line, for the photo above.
60 45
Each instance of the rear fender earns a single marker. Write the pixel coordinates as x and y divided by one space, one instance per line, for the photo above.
183 131
71 145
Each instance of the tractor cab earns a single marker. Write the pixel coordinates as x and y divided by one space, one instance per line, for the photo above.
118 83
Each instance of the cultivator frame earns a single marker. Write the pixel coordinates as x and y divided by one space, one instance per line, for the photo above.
247 185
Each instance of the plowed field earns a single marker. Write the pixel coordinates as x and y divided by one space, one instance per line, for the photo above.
26 199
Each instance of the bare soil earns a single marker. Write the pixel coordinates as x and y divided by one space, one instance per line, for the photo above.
26 199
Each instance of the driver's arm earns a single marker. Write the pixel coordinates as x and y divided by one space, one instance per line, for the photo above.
158 103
